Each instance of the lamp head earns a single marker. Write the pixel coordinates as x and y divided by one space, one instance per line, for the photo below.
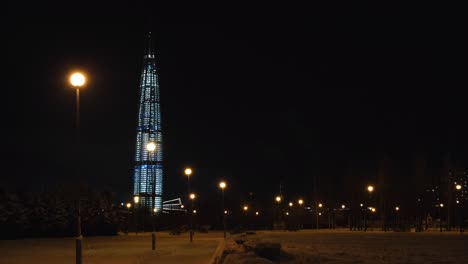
151 146
222 185
77 79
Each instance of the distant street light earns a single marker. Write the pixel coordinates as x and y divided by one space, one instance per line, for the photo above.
151 147
320 205
462 218
370 189
300 201
246 208
136 200
278 201
343 206
192 197
256 213
78 80
188 173
397 208
223 185
291 204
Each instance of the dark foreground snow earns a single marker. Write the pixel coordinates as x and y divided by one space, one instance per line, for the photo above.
310 246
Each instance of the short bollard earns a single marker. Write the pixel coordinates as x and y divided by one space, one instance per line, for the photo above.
153 241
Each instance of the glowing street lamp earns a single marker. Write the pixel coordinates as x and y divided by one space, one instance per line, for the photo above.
256 213
246 208
136 200
129 205
192 197
370 189
343 206
458 187
320 205
300 201
223 185
291 204
278 199
397 208
151 147
78 80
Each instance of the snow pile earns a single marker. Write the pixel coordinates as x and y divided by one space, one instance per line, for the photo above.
350 247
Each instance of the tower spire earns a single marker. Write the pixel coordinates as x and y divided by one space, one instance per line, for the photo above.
149 50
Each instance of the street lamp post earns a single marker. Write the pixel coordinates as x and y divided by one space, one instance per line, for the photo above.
278 201
318 205
128 217
188 173
77 80
370 189
300 213
223 185
459 200
441 205
192 197
136 200
151 147
397 217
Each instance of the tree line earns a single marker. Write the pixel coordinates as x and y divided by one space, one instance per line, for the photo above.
54 214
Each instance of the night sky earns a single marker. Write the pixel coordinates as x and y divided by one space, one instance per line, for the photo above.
258 97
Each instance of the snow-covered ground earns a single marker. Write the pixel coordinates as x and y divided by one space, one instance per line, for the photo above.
324 246
129 249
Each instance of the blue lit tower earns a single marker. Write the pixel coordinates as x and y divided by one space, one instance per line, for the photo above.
148 169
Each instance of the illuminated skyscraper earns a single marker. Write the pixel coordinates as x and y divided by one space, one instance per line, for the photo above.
148 169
